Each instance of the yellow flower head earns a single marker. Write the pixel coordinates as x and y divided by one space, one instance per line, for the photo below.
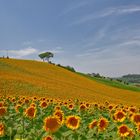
132 109
47 138
123 130
1 104
57 108
110 107
82 107
72 122
70 106
26 101
30 112
102 124
119 116
52 124
136 118
43 104
60 115
3 111
17 108
93 124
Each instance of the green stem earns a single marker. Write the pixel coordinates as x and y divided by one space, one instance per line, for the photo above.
32 123
23 125
10 133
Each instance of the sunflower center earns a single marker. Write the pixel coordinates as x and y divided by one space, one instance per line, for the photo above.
102 123
73 121
123 129
120 115
137 118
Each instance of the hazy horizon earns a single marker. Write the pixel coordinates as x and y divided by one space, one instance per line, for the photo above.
92 36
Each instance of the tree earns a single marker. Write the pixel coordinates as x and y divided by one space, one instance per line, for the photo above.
46 56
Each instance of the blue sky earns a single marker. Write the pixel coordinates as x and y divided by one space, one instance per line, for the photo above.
101 36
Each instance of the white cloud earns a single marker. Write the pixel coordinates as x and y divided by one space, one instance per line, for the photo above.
22 52
129 42
127 48
110 60
73 7
120 10
108 12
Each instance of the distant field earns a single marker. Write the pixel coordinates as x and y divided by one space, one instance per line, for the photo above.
113 83
32 78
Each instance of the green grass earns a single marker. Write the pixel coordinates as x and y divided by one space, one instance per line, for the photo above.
113 83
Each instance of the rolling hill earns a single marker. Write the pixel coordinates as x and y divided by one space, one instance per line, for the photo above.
132 78
113 82
32 78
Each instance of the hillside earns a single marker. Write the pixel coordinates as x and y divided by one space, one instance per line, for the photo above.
26 77
112 82
131 78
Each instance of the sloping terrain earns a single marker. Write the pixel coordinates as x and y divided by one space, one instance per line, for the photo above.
113 82
32 78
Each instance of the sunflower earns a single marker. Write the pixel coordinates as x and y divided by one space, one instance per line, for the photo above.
1 104
13 100
70 100
1 129
43 99
52 124
47 138
106 103
72 122
124 110
110 107
65 103
87 105
123 130
51 100
43 104
30 112
48 100
102 124
133 109
3 111
20 102
70 106
131 116
101 107
17 108
96 105
82 107
26 101
57 107
34 98
119 116
93 124
136 118
60 115
33 105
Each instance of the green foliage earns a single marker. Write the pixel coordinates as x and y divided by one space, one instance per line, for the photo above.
132 78
67 67
46 56
19 126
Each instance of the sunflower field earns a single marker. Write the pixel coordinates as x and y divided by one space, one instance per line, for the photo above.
41 118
